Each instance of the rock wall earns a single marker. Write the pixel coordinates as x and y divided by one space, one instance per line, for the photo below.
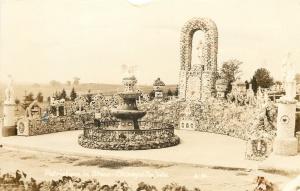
59 124
213 116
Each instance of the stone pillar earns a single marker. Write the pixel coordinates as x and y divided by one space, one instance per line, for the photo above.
206 86
182 84
285 142
9 118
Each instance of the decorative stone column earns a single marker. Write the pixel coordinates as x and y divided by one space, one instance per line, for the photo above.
9 106
285 142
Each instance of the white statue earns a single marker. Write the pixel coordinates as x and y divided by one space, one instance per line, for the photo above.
289 70
128 70
200 51
289 78
9 92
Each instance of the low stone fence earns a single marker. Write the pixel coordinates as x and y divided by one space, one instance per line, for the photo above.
39 126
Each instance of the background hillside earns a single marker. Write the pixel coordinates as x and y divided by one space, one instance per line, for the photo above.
49 90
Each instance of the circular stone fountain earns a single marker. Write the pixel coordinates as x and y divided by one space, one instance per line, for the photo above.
128 133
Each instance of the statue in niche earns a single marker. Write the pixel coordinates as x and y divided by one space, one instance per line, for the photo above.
289 76
200 54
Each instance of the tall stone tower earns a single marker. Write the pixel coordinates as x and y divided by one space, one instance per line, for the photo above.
9 120
198 82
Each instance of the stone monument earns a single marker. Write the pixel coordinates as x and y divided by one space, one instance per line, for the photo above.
198 82
9 106
285 142
158 88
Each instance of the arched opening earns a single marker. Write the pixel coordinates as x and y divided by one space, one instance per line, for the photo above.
198 41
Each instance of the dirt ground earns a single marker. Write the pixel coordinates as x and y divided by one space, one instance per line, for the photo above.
46 166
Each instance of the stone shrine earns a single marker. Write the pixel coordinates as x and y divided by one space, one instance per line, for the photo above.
198 83
158 88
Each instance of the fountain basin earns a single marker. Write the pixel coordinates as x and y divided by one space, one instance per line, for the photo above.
129 95
152 135
128 114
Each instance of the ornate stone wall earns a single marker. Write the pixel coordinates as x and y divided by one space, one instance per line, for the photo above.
39 126
209 57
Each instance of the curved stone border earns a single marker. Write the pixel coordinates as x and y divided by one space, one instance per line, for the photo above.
124 144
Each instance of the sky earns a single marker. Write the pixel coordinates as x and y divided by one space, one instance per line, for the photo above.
44 40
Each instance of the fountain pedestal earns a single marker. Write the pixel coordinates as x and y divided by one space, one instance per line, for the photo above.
128 112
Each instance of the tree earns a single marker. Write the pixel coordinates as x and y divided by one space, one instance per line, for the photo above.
73 94
263 78
17 102
89 96
40 97
230 71
176 91
76 81
152 94
169 92
63 94
254 84
278 82
29 97
247 84
48 99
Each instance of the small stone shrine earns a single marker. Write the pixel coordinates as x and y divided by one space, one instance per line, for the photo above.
158 88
